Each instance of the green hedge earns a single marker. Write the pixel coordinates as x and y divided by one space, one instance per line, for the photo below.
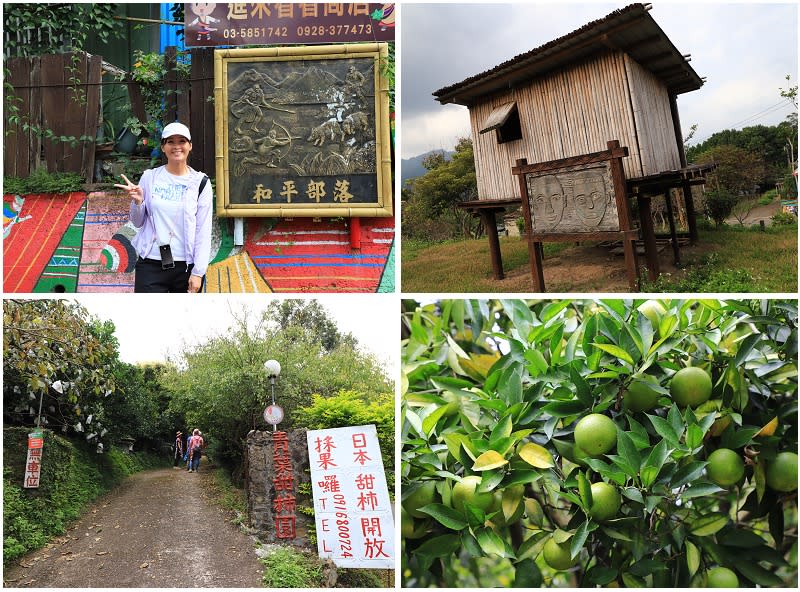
72 476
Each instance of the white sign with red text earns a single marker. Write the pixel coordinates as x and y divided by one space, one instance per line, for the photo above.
352 508
33 464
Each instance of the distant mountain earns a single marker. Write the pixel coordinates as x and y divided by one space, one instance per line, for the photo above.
412 167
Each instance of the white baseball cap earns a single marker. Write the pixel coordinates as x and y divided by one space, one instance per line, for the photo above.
176 129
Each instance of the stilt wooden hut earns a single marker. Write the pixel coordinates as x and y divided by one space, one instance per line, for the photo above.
616 78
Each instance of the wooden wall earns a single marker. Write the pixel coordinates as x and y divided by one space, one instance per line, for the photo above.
658 146
58 93
573 112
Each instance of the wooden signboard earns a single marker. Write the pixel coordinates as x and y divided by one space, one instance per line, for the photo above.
575 199
303 131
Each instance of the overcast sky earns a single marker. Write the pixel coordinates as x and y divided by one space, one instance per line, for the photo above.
745 50
151 327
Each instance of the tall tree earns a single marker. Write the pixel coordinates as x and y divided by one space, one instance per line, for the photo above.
54 351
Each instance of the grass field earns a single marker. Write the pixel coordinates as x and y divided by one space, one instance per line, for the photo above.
729 259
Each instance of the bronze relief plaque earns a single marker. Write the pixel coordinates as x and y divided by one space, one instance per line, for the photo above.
303 131
572 199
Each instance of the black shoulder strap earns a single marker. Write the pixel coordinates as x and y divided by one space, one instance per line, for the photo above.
202 185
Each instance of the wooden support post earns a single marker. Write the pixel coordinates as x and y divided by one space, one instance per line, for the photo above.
537 273
648 237
676 252
631 263
490 225
691 218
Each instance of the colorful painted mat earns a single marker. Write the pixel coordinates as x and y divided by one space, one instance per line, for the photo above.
235 274
33 226
61 273
108 258
306 256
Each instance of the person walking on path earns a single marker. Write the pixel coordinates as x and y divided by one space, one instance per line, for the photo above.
178 449
171 209
195 450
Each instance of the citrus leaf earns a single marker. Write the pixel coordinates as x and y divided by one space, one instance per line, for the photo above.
757 574
490 542
692 557
501 430
536 456
580 537
440 546
615 351
512 498
699 490
760 477
430 422
708 525
527 575
489 460
585 489
561 536
769 428
445 516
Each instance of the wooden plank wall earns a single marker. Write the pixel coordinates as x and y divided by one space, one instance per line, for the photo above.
653 117
566 113
201 114
51 99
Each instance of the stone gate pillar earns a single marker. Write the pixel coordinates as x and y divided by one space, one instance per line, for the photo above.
277 466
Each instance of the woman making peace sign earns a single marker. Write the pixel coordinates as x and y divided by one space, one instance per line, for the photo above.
171 208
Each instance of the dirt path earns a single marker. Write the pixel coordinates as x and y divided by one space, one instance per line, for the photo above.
146 534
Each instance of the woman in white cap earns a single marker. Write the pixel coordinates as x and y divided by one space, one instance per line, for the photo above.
171 208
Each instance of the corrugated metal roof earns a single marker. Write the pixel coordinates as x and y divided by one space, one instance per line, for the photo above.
630 29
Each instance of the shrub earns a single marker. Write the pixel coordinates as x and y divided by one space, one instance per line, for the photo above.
40 181
784 219
768 197
719 205
290 568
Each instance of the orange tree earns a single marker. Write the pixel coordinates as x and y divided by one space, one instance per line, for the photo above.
496 492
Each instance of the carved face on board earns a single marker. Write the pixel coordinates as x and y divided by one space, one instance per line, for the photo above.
547 202
590 197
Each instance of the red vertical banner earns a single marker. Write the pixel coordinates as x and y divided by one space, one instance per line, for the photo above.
352 507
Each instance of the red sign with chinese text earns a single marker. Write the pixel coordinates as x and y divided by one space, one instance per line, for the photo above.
283 502
225 24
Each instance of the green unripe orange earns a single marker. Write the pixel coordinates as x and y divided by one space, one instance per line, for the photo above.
721 577
595 434
464 492
725 467
782 472
424 495
605 501
690 387
640 396
557 556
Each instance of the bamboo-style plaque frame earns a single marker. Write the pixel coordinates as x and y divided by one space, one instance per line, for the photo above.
572 190
303 131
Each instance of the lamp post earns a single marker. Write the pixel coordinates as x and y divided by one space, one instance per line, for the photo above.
273 414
